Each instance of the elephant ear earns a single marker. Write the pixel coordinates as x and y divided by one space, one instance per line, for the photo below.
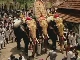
17 23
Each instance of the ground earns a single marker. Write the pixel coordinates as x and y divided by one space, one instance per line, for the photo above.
11 49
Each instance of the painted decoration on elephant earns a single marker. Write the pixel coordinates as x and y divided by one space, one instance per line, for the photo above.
39 9
59 23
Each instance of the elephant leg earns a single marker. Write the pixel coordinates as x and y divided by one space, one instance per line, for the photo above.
18 43
26 41
54 44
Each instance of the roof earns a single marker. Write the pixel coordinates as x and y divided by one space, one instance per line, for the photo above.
70 4
69 18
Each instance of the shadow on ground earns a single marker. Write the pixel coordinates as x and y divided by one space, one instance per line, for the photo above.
15 51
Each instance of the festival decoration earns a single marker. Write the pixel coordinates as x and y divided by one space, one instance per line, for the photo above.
43 23
39 9
59 23
32 26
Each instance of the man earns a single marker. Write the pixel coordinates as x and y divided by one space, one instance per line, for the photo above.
70 54
52 55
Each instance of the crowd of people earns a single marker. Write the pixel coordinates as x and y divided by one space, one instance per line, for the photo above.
69 41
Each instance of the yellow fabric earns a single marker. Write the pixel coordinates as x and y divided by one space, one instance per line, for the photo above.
44 25
32 27
60 25
39 9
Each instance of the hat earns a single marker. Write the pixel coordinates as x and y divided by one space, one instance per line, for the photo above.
28 18
56 15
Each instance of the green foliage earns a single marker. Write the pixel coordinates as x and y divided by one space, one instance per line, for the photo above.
24 2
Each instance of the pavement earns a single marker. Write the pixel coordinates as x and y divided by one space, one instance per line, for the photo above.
11 49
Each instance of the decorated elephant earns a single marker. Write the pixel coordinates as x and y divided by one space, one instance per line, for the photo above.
20 32
52 31
56 27
59 23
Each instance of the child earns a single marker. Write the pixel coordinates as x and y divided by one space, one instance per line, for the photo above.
7 34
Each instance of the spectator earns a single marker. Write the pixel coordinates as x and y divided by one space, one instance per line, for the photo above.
70 54
21 57
7 34
70 38
12 57
77 57
52 55
74 44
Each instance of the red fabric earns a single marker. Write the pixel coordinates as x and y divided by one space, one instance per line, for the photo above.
56 15
28 18
42 18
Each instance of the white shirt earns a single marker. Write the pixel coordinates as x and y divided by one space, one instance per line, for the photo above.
78 58
74 41
23 58
70 38
7 33
70 55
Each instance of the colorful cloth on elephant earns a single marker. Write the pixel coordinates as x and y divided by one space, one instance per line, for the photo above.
56 15
39 9
42 18
61 31
59 23
32 27
44 25
28 18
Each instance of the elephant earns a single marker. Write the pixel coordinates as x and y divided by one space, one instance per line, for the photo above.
52 33
55 28
20 32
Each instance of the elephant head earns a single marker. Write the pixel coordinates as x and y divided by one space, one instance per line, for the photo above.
59 23
43 23
32 27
